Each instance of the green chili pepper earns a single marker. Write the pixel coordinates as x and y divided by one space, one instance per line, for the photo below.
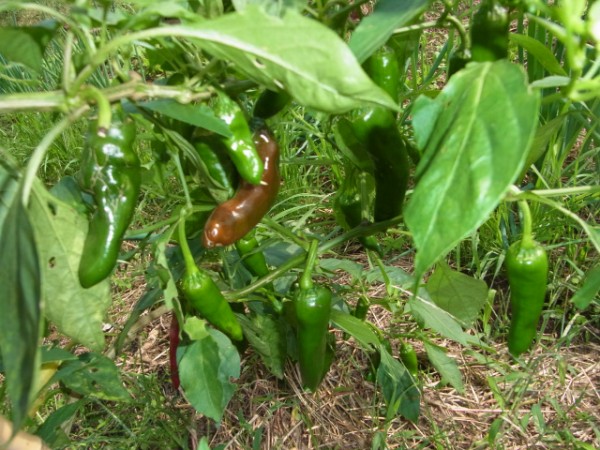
240 145
458 60
110 170
216 166
408 356
270 103
203 294
362 307
489 32
375 128
351 206
527 269
252 257
312 307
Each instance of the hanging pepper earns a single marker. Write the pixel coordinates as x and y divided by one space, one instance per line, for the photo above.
110 170
489 32
217 169
252 257
203 294
233 219
375 128
527 269
312 307
241 145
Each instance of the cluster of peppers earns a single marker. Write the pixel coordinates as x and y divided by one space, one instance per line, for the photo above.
488 37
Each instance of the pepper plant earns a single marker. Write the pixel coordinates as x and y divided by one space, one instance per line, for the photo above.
188 107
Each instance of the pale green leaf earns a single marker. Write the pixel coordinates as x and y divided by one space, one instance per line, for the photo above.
540 52
267 337
446 366
588 290
356 328
474 151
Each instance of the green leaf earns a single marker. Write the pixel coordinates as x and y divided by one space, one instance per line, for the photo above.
93 375
198 115
474 143
205 369
430 315
60 233
540 52
446 366
375 29
267 337
396 276
588 291
398 387
20 278
356 328
333 264
294 53
26 45
459 294
51 432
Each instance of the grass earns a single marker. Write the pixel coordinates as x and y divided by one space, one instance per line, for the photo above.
547 400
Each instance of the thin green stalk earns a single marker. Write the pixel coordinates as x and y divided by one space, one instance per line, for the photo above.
527 238
306 279
190 263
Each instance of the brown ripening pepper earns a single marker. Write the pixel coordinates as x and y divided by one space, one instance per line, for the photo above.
233 219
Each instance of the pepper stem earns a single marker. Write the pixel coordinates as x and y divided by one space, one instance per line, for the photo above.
306 279
103 105
190 264
527 222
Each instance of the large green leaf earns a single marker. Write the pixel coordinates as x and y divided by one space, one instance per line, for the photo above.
206 367
375 29
60 233
26 45
307 59
356 328
20 301
459 294
474 137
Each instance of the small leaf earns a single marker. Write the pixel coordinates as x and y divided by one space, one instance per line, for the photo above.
20 278
375 29
474 144
292 53
396 276
398 387
51 432
60 231
459 294
432 316
446 366
333 264
93 375
198 115
540 52
588 291
267 336
205 369
356 328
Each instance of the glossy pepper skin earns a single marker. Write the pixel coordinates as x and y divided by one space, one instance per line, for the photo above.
527 269
204 296
241 145
349 206
233 219
312 308
375 128
110 170
489 32
252 257
216 168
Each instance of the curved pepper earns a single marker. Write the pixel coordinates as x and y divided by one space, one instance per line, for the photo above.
252 257
312 307
233 219
240 145
489 32
110 170
203 294
527 268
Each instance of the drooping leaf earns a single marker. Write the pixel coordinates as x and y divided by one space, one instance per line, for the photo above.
588 290
267 337
20 303
93 375
459 294
293 53
60 232
375 29
206 368
356 328
474 137
398 387
445 365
